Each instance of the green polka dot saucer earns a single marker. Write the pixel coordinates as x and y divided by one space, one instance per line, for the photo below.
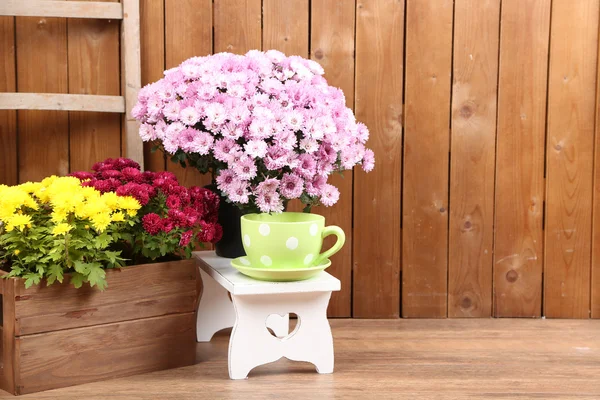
243 265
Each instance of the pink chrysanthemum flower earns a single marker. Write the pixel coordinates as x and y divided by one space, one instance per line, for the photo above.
258 116
291 186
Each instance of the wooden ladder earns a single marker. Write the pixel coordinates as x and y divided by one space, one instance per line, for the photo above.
129 12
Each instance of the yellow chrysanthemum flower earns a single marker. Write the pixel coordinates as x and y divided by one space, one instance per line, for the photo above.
18 221
58 216
112 200
101 221
118 217
61 229
129 204
30 187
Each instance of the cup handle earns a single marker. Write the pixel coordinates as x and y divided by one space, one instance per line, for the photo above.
341 239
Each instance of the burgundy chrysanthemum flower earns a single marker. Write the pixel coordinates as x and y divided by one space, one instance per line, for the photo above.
82 175
152 223
167 225
111 173
173 202
131 174
186 237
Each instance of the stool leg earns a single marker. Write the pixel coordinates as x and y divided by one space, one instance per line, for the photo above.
252 345
215 311
313 341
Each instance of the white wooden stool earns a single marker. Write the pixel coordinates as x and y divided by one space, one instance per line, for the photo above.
259 305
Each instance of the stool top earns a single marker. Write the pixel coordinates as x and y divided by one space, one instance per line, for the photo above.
234 282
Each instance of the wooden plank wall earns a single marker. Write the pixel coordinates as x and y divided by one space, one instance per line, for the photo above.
484 117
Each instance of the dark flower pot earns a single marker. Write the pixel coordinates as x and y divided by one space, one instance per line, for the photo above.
230 246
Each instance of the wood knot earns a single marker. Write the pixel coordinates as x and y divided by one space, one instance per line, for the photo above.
442 210
319 54
42 23
558 147
80 313
285 38
512 276
468 224
466 303
466 111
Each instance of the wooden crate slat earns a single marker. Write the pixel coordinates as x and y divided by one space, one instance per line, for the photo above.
61 8
127 297
74 356
61 102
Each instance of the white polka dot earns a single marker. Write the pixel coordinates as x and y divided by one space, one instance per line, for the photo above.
291 243
247 240
314 229
308 259
264 229
244 261
266 260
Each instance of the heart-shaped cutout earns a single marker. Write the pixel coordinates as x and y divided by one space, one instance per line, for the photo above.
279 326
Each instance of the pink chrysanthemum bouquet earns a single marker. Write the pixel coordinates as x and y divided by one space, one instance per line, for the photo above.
268 127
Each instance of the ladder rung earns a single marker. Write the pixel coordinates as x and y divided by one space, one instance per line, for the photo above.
62 102
61 8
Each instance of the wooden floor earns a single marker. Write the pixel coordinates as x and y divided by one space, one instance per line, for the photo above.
394 359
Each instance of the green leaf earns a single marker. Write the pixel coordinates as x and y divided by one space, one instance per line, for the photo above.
31 279
81 267
77 279
97 276
55 273
112 256
102 241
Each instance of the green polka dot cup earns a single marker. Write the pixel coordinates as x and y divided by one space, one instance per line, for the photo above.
287 240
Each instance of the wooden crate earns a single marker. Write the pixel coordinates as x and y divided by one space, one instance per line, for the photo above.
56 336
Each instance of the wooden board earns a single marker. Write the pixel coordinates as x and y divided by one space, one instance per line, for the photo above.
285 26
187 19
332 45
134 292
131 79
570 144
152 29
426 147
93 54
473 148
237 26
595 290
62 102
522 90
9 353
53 8
75 356
378 103
43 135
8 119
